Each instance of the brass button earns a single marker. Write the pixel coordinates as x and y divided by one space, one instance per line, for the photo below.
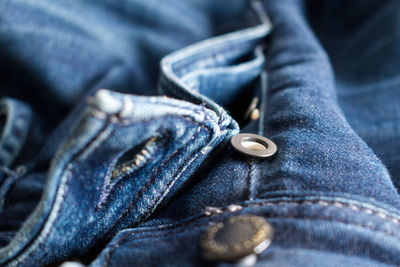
238 238
253 145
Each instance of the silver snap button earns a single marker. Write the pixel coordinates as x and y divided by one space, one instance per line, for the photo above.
254 145
240 238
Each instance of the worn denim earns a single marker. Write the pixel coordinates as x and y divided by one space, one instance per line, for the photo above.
132 175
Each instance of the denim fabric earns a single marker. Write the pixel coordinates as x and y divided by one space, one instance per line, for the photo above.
132 175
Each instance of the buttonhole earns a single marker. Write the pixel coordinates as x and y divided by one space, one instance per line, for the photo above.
135 158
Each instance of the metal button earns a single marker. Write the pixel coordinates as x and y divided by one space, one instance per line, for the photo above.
238 238
250 110
254 145
255 114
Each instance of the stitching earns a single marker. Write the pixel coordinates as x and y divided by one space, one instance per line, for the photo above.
119 120
149 182
109 183
99 114
172 181
257 32
249 179
39 240
216 45
146 186
200 111
188 95
192 62
217 49
210 211
67 169
176 90
66 187
324 203
180 230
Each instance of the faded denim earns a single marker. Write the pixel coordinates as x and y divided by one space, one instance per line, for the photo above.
132 175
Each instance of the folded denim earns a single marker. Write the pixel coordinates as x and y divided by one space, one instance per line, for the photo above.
122 177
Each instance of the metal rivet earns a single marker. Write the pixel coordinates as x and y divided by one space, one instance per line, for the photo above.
254 145
239 238
250 110
255 114
106 101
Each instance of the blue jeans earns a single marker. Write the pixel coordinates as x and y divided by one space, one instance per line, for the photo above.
136 173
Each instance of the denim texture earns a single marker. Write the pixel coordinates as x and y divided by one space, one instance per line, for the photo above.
132 175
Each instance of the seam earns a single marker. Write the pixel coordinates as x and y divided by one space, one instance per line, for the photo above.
110 183
66 169
324 203
217 43
66 172
193 156
187 94
99 114
116 119
235 208
181 230
211 211
149 182
250 163
185 67
44 238
18 261
204 54
145 187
